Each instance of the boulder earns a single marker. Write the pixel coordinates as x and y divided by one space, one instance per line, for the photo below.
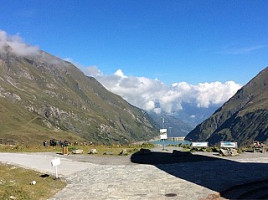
77 151
93 151
108 153
228 152
123 152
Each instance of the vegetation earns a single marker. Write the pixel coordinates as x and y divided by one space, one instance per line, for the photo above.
114 149
45 97
15 183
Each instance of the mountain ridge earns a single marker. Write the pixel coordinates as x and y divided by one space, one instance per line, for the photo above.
243 118
68 101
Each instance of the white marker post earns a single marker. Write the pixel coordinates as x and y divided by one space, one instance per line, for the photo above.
54 163
163 136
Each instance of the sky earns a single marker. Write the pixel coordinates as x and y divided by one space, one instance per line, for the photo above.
204 45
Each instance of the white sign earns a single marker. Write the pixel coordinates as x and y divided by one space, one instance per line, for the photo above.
162 131
163 137
199 144
55 162
229 144
163 134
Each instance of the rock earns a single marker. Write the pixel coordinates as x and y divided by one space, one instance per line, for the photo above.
123 152
93 151
33 183
234 152
108 153
77 151
12 197
228 152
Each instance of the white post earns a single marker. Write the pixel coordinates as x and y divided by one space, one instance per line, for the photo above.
56 172
55 162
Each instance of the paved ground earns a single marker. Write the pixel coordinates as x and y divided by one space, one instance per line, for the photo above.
154 176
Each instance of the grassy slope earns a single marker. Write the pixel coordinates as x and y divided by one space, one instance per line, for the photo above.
80 104
23 126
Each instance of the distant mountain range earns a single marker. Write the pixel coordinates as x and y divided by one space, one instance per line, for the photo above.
244 118
44 97
175 126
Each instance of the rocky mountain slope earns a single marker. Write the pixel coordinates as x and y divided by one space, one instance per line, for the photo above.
244 118
42 96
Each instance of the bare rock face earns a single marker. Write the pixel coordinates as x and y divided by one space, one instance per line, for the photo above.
244 118
61 97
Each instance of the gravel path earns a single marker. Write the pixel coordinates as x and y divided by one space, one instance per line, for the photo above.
100 177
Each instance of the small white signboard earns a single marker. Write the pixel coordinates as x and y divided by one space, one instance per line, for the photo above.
164 130
163 137
199 144
229 144
55 163
163 134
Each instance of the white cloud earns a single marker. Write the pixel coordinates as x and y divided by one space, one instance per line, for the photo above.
16 45
93 71
154 95
243 50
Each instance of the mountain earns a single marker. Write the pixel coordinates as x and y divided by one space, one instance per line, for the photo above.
243 118
175 126
193 115
44 97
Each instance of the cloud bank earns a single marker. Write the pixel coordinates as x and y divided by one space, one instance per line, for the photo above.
16 45
154 95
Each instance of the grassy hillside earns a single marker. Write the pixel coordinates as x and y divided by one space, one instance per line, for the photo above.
44 95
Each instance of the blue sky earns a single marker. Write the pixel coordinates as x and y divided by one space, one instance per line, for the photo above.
192 41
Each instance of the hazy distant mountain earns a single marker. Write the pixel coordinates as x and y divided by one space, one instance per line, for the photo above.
193 115
244 118
176 127
44 97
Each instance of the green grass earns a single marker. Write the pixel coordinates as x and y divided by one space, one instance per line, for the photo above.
15 181
114 149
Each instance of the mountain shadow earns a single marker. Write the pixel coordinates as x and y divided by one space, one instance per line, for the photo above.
231 179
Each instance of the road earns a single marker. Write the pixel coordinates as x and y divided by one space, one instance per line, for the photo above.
147 176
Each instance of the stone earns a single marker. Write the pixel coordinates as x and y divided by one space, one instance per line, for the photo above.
77 151
93 151
108 153
33 183
123 152
234 152
228 152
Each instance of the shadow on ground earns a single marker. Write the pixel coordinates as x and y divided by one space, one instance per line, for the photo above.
233 180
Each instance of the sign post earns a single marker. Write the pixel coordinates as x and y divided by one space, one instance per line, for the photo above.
54 163
163 136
